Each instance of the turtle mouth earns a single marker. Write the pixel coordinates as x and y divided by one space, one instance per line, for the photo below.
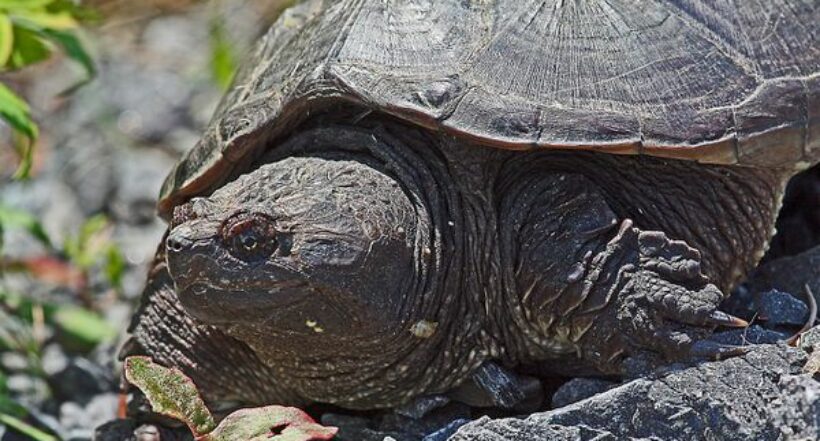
221 303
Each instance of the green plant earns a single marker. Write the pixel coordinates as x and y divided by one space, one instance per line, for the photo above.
223 54
30 32
173 394
22 318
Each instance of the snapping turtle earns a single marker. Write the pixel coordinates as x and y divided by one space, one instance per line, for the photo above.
394 192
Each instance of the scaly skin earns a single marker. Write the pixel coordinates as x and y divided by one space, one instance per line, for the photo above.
365 266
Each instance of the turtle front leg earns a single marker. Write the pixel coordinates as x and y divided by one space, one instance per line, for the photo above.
654 296
587 282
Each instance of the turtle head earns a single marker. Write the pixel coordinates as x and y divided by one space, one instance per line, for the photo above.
303 254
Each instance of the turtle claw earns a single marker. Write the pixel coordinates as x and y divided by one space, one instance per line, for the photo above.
710 350
720 318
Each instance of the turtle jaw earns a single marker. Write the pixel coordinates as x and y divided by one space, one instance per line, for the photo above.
228 306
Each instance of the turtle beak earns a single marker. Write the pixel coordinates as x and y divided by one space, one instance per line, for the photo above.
186 245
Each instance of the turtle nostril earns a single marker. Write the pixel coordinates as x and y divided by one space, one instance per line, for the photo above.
176 244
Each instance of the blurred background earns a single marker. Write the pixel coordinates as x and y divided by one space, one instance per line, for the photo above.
97 101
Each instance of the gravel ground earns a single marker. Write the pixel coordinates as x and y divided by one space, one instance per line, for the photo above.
106 151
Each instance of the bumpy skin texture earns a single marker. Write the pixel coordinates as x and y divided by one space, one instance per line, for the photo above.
365 264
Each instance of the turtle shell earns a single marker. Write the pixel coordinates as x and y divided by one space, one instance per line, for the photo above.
725 82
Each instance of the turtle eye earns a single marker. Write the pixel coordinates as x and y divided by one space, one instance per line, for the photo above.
250 237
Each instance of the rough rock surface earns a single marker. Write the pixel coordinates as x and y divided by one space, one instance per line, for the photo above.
758 396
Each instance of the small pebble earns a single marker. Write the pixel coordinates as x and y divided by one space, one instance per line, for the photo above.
13 362
53 359
810 340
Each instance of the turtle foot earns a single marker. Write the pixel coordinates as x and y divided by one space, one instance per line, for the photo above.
662 303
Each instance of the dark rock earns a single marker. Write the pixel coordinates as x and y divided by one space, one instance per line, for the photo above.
117 430
350 427
421 406
438 423
81 380
798 223
492 385
578 389
753 334
741 303
129 430
776 308
758 396
789 274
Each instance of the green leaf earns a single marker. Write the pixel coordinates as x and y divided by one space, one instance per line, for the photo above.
10 407
24 147
78 11
6 39
16 218
25 428
16 113
170 393
82 329
78 248
223 58
60 21
270 423
23 4
67 40
28 49
73 47
114 266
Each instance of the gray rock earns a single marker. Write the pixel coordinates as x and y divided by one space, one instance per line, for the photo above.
52 202
446 431
53 359
578 389
780 308
86 159
810 340
13 361
140 173
30 390
758 396
179 41
81 420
